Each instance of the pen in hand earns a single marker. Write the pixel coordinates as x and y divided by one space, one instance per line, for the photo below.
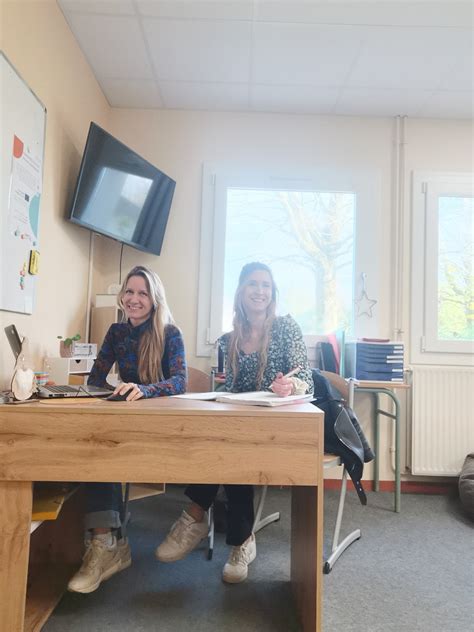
292 372
282 389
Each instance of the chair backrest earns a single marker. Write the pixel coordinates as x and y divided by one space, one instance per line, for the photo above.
338 382
198 381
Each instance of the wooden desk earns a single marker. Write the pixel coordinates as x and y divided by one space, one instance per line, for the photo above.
375 389
163 439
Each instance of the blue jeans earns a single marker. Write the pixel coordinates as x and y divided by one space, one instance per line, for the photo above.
240 511
104 505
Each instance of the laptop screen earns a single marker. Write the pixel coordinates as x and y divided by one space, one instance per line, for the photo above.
14 339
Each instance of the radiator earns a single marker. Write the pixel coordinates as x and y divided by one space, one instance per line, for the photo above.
442 419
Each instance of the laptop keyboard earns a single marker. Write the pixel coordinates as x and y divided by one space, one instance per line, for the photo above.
64 389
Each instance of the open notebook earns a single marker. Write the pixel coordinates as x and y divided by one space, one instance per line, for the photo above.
254 398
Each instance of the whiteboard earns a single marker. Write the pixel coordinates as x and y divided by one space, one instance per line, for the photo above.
22 133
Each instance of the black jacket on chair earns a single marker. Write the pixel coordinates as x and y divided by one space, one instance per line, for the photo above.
342 432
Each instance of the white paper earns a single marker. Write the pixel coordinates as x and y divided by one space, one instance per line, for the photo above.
205 397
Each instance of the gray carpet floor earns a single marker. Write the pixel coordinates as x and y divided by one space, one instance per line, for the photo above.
412 571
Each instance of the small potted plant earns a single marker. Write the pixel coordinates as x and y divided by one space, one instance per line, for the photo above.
66 345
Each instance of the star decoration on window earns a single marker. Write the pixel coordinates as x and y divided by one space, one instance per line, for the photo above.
364 304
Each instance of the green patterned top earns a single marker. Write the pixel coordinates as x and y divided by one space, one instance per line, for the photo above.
286 351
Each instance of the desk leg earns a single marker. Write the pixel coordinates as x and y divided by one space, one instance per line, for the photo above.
307 554
397 453
376 442
16 500
396 417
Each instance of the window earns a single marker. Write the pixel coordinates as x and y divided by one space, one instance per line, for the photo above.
303 235
443 265
317 232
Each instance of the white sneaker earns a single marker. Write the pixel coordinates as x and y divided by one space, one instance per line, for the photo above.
236 569
125 553
101 561
184 536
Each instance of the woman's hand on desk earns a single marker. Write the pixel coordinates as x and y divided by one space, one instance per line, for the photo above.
132 389
282 385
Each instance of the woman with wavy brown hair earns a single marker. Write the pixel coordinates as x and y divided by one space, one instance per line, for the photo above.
149 351
260 350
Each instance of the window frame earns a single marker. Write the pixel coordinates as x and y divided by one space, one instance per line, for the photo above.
426 348
217 177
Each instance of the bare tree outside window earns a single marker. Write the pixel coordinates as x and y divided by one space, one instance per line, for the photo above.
307 237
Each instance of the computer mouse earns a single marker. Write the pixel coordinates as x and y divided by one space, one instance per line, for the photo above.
119 397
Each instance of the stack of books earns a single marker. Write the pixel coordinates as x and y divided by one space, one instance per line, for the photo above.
376 361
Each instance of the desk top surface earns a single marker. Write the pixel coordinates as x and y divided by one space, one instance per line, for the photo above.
161 439
379 384
156 406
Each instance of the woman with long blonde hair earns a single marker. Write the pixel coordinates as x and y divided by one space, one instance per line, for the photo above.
149 351
260 350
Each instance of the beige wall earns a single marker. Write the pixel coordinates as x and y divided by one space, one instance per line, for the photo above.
40 46
180 142
36 39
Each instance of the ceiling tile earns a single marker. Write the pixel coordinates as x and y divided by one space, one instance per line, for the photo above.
407 58
199 50
304 54
359 57
204 96
202 10
456 104
130 93
113 45
398 12
108 7
381 102
460 75
301 100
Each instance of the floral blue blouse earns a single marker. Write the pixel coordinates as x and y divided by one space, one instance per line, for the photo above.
121 345
286 351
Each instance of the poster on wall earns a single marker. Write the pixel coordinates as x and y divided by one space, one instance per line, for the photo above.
23 128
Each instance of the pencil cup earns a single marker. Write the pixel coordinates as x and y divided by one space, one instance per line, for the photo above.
41 378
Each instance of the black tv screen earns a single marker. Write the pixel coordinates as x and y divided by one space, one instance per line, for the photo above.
121 195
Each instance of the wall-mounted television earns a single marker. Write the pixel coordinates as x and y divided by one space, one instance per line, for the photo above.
120 194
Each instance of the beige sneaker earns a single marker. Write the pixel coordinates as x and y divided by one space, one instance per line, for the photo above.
236 569
184 536
125 553
100 562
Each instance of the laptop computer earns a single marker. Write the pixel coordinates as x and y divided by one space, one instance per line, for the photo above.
67 390
60 390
